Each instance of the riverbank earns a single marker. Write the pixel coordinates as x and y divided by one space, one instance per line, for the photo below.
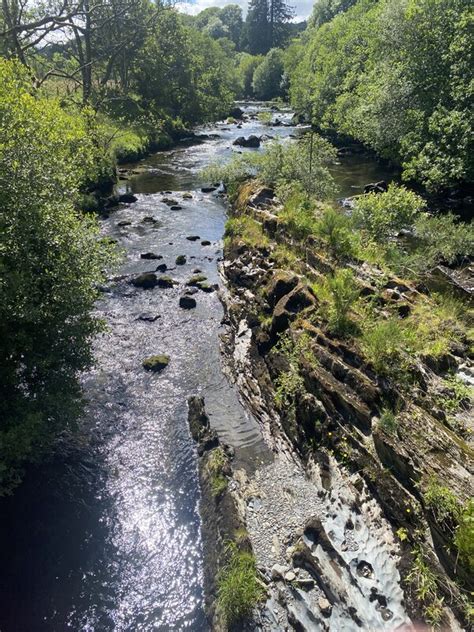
322 407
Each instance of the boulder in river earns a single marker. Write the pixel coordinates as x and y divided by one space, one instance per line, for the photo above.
162 267
187 196
127 198
236 113
176 207
147 280
165 282
205 242
156 363
252 141
208 189
193 238
123 223
150 255
149 220
180 260
194 280
187 302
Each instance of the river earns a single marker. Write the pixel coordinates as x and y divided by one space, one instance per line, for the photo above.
106 536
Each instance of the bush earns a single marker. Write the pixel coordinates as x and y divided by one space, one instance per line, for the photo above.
383 214
382 343
267 76
51 260
388 422
246 229
333 228
238 590
464 536
298 214
339 292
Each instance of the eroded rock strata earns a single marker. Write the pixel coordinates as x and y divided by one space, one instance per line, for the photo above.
338 519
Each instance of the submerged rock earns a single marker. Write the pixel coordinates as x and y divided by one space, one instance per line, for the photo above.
162 267
196 279
208 189
149 317
156 363
193 238
187 302
165 282
124 223
180 260
205 242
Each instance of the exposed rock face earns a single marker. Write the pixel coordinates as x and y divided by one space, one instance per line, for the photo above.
337 409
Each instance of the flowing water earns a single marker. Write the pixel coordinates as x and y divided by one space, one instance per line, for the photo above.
107 535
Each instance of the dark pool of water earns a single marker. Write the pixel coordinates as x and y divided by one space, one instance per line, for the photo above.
107 538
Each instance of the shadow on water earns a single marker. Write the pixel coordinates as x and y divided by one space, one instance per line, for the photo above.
108 539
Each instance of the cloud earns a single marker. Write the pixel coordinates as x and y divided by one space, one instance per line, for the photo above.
302 8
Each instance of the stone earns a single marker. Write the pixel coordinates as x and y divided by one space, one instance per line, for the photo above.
162 267
187 196
208 189
205 287
176 207
147 280
150 255
279 571
156 363
205 242
149 220
281 283
165 282
180 260
191 291
148 317
193 238
290 576
252 141
127 198
187 302
196 279
124 223
236 113
325 606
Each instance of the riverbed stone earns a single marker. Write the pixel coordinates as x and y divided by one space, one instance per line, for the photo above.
252 141
187 302
148 317
156 363
165 282
123 223
147 280
150 255
180 260
127 198
176 207
193 238
196 279
162 267
205 242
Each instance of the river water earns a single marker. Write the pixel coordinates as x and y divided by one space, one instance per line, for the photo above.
107 536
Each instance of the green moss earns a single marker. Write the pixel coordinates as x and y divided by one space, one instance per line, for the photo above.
156 363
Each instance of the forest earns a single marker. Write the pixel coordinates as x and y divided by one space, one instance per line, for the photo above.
89 88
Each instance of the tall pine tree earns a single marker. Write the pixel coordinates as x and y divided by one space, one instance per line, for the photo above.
266 25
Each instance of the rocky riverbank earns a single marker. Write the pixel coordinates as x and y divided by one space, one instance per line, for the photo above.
341 521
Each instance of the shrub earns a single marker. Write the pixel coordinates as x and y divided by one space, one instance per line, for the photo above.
333 228
247 229
441 501
382 343
388 422
464 536
238 590
298 214
339 293
51 261
383 214
425 584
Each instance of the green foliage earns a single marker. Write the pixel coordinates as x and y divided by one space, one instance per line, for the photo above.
388 421
394 75
441 501
339 292
301 166
267 77
383 342
245 229
425 585
383 214
464 536
333 228
289 383
51 260
298 213
245 70
238 590
459 395
215 464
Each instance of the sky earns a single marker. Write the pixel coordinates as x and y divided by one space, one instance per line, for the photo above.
302 8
